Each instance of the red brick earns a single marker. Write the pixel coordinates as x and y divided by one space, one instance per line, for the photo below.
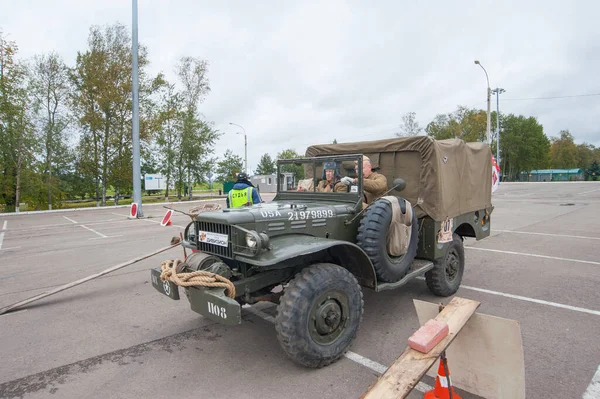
428 336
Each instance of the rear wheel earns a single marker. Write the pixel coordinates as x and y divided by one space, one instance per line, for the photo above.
319 314
445 277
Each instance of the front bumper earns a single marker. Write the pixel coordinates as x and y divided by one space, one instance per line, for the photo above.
211 303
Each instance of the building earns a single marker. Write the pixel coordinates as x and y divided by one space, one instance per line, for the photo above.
552 175
265 183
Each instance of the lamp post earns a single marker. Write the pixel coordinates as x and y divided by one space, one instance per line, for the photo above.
135 120
497 91
489 116
245 146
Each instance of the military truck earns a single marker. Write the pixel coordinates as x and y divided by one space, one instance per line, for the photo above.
312 252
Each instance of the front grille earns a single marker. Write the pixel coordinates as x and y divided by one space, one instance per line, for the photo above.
218 250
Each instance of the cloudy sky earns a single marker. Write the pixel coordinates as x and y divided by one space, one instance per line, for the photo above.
297 73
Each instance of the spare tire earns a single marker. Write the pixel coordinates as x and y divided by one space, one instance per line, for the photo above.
372 238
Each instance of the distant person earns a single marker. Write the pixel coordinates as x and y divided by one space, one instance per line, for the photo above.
243 193
374 184
331 181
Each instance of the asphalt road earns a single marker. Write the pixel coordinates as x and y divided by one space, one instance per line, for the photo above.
117 337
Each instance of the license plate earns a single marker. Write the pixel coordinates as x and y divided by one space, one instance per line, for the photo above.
208 237
168 288
213 304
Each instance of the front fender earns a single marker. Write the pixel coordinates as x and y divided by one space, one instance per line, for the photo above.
291 250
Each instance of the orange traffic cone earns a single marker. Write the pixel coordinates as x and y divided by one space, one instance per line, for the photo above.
443 384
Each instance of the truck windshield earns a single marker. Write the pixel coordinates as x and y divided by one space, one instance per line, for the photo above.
319 175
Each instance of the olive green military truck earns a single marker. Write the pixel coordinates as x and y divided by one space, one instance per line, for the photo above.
312 251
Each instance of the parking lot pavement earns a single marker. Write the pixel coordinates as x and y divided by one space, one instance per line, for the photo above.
116 336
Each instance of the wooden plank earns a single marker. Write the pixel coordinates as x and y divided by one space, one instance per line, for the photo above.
408 369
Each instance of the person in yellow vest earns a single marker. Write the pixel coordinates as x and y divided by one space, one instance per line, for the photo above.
243 193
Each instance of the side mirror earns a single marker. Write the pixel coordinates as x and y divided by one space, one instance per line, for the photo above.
399 184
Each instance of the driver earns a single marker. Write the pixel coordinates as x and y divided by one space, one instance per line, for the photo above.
375 184
331 182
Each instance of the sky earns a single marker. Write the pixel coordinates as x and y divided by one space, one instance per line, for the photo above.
298 73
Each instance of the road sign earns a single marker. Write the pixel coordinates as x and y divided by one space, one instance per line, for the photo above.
133 210
166 220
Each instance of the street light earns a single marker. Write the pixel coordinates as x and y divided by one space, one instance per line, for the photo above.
245 146
497 91
489 116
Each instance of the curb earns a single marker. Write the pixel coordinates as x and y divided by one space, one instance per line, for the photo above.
94 208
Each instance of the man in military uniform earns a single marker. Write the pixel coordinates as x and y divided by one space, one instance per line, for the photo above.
331 182
374 184
243 193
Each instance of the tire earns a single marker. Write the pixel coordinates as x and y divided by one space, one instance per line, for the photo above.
445 277
319 314
372 238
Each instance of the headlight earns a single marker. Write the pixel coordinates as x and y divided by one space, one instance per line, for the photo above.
250 240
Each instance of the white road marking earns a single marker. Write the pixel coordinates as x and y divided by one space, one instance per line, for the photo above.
8 249
587 192
2 233
156 221
99 238
355 357
548 234
527 299
70 220
93 231
589 262
539 301
593 390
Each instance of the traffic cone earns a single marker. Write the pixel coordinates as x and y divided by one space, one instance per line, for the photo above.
442 388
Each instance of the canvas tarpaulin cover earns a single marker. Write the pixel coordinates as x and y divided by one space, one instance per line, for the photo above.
444 178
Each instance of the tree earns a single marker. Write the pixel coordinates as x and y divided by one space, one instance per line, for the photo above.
523 145
298 170
102 103
229 167
464 123
198 137
266 165
335 141
168 135
586 155
593 171
16 127
564 152
409 126
50 88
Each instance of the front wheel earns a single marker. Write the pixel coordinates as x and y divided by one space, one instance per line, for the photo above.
319 315
445 277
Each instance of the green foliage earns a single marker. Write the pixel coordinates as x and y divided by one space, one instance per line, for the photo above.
298 170
229 167
592 172
266 165
523 145
564 152
464 123
586 155
18 144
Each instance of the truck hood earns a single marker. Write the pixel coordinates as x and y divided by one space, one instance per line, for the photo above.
273 210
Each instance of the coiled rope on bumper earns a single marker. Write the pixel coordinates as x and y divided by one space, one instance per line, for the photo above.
198 278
